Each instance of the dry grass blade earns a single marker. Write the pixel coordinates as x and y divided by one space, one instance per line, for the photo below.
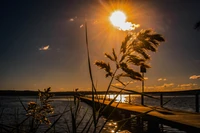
55 122
110 83
82 118
22 104
112 101
86 125
91 77
105 66
168 101
68 128
3 127
114 54
127 119
109 117
109 57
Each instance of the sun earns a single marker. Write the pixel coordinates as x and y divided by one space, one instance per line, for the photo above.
118 20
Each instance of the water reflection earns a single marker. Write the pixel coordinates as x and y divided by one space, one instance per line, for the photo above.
111 127
120 98
10 104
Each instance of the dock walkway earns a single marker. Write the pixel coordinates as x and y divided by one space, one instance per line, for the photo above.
186 121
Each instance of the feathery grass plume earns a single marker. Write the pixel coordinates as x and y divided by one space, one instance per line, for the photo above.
40 112
104 66
134 51
36 114
109 57
124 44
130 72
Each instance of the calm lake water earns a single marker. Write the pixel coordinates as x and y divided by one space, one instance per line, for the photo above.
13 111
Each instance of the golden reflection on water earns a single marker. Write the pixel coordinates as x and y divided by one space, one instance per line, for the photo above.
111 127
125 98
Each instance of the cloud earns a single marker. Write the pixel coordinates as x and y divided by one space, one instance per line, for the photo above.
167 85
171 87
162 79
81 26
71 19
145 78
158 87
84 89
195 77
187 85
44 48
117 84
120 84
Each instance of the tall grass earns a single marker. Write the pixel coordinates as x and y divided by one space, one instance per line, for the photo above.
133 52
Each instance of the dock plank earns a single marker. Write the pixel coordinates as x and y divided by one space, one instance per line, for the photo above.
187 121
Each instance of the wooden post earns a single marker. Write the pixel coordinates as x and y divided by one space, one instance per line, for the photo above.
153 127
161 100
139 123
197 102
142 96
142 70
109 96
129 98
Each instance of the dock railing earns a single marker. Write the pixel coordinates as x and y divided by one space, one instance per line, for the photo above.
161 95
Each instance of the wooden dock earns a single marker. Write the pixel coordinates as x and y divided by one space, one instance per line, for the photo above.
186 121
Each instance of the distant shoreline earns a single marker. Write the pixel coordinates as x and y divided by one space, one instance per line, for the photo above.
71 93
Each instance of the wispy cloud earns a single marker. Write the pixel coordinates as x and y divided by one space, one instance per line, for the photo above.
167 86
120 84
187 85
44 48
162 79
73 19
195 77
117 84
81 26
170 87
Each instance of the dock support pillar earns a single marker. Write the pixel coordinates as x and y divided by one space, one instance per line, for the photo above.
161 100
129 98
153 127
197 102
140 124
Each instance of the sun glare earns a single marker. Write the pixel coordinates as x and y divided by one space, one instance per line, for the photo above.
118 19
